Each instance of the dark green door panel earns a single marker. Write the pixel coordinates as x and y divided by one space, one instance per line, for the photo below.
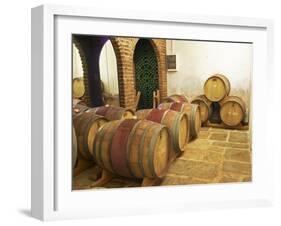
146 72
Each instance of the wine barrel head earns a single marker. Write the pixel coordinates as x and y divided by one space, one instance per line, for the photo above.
86 127
78 87
232 111
204 107
216 87
192 110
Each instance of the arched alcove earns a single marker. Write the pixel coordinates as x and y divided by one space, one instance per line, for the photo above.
146 72
109 74
77 68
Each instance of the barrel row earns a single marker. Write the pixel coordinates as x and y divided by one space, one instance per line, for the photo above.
126 147
131 148
109 112
231 110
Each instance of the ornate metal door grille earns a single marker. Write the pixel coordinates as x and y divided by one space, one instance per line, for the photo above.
146 72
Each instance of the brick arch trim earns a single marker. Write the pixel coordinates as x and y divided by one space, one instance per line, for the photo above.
120 71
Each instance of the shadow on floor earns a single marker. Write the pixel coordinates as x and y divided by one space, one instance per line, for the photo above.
25 212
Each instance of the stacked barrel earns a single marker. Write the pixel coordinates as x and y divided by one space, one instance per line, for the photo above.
216 105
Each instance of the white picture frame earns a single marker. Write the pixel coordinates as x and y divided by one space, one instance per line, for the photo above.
52 197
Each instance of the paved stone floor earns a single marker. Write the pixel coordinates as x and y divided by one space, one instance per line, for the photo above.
216 156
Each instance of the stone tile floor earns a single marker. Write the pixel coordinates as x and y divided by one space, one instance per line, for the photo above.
216 156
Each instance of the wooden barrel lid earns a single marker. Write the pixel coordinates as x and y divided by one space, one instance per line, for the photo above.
86 126
232 110
204 107
161 154
216 87
78 87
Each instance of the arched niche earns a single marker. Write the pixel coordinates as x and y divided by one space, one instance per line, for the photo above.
78 86
109 74
77 68
146 72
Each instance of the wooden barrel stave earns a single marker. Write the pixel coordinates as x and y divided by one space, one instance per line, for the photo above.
191 110
133 148
216 87
102 154
204 106
136 143
232 110
78 87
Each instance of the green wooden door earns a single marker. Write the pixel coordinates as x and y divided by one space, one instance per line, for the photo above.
146 72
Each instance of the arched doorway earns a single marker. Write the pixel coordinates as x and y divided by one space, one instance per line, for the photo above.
146 72
109 75
77 67
92 47
78 86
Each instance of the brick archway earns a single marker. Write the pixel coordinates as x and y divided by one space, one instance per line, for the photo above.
89 48
146 73
120 71
159 46
124 52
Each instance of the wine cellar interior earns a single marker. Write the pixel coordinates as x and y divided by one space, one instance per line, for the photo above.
152 112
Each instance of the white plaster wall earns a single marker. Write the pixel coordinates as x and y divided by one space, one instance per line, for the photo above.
108 69
197 60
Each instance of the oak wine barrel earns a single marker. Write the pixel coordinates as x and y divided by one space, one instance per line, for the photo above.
78 88
86 126
74 148
177 123
204 107
232 110
133 148
175 98
113 112
216 87
192 110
